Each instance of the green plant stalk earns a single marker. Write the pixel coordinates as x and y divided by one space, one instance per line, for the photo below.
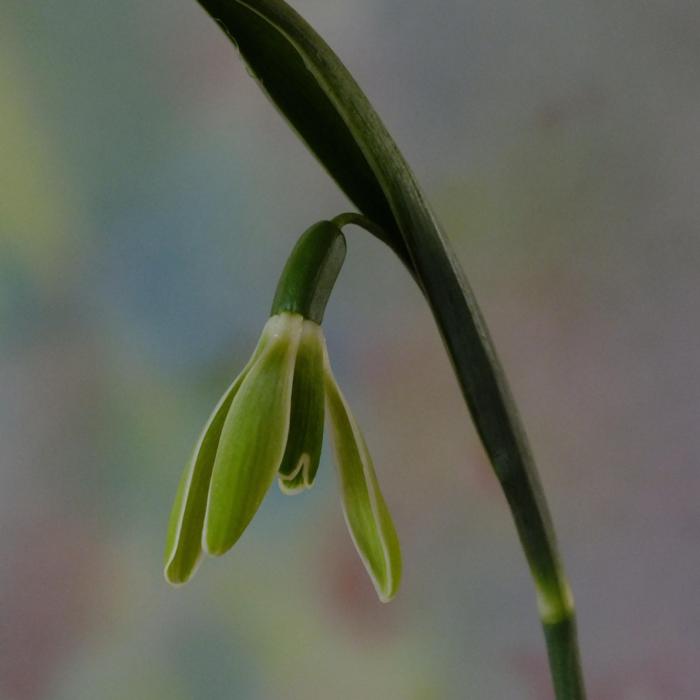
396 211
528 505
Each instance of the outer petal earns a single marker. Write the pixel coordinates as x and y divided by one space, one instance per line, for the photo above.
303 451
366 513
253 438
183 544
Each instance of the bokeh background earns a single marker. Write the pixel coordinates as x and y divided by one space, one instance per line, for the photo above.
149 195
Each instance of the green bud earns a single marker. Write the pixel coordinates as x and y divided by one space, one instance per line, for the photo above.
308 277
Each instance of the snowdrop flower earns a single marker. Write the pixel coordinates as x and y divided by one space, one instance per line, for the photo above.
269 424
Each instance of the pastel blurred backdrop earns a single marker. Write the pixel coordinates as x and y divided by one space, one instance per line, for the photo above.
149 195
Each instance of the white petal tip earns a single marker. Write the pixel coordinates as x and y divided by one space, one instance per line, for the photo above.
290 490
177 582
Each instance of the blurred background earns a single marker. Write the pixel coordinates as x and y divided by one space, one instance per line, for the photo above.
149 195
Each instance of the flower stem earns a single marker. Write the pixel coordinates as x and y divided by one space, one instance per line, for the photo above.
564 661
351 217
499 426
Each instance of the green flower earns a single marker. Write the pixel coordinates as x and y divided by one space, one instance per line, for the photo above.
269 424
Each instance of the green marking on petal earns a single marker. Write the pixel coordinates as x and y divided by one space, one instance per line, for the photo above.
253 438
366 513
303 451
183 543
293 485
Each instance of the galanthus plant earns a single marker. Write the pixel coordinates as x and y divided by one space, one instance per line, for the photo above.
269 423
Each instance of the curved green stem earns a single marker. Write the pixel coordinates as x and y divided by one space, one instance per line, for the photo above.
492 408
351 217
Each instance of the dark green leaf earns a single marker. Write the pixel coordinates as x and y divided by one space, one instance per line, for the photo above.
282 73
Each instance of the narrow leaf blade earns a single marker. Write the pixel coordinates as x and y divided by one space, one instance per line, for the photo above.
283 74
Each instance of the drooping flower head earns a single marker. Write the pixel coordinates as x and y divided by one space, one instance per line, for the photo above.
269 424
